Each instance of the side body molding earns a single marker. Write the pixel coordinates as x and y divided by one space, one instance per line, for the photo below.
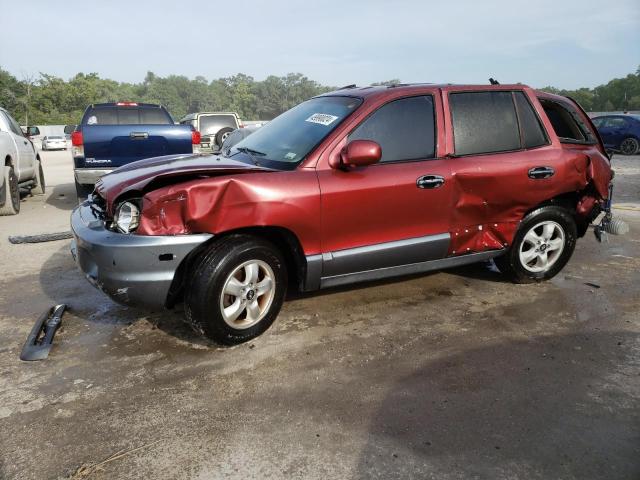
385 260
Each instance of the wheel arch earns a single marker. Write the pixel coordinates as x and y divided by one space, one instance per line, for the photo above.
282 238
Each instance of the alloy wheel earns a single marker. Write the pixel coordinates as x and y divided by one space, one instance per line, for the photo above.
542 246
247 294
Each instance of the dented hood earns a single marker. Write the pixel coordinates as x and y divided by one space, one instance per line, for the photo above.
138 175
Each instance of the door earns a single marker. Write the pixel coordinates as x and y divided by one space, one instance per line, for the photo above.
395 212
26 154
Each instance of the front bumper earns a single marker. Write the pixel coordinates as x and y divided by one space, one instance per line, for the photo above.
134 270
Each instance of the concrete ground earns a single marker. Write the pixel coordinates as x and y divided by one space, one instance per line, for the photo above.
451 375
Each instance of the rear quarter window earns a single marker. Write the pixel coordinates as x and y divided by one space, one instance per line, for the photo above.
566 122
484 122
533 134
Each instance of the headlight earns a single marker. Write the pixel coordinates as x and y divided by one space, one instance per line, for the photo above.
127 217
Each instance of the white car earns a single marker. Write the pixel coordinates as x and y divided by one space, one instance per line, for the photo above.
21 167
54 142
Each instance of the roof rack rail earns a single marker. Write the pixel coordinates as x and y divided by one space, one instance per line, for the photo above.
346 87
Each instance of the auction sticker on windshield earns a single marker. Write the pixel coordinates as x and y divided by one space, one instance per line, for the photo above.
322 118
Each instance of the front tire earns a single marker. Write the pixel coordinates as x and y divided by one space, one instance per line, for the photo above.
39 187
11 193
629 146
236 289
542 246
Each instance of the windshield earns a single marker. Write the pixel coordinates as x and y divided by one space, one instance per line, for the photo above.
291 136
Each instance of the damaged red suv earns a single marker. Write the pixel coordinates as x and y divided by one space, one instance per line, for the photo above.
354 185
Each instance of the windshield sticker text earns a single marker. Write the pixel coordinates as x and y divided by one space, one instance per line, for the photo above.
322 119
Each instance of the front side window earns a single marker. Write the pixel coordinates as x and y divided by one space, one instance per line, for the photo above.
404 129
615 122
484 122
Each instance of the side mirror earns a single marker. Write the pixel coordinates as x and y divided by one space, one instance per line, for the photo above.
69 129
33 131
358 153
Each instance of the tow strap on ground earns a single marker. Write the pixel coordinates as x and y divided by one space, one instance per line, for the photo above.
40 339
44 237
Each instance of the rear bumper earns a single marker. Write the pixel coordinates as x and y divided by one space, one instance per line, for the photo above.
89 176
134 270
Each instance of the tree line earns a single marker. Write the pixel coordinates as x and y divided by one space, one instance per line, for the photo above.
47 99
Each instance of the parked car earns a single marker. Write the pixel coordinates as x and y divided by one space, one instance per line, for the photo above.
214 127
620 133
54 142
21 168
354 185
114 134
236 136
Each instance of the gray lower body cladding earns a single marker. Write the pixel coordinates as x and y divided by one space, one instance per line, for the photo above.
386 260
132 269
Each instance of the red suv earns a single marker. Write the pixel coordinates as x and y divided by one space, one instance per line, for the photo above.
354 185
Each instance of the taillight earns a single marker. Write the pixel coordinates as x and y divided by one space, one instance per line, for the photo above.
195 137
77 144
76 139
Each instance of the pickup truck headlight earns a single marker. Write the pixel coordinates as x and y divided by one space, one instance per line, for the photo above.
127 217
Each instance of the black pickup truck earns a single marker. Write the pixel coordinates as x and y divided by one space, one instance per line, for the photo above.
114 134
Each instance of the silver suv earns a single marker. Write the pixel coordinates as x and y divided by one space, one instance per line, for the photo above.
214 127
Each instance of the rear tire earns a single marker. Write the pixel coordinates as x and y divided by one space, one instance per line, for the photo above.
235 289
629 146
11 193
83 191
542 246
39 187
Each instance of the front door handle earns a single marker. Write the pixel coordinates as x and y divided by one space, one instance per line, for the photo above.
430 181
538 173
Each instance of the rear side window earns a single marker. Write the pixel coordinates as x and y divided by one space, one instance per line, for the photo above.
113 115
533 134
484 122
405 129
567 123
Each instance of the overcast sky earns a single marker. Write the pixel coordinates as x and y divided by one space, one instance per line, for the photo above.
567 44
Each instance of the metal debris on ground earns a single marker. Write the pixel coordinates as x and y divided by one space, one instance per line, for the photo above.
40 339
44 237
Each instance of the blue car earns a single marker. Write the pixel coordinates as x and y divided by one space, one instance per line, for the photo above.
620 133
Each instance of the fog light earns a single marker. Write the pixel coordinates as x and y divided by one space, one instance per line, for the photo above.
127 217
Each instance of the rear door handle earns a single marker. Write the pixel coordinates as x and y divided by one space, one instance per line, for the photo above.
538 173
430 181
138 135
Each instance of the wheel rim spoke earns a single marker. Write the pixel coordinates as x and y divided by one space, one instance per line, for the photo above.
264 286
547 231
233 311
543 260
253 311
532 237
233 287
251 273
555 244
529 255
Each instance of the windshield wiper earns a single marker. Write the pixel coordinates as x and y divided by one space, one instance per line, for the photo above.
251 152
